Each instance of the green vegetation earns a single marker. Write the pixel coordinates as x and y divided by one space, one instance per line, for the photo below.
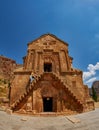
4 85
3 92
94 95
4 81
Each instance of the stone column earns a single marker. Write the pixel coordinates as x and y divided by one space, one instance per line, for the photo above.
63 63
35 62
28 59
58 106
68 61
34 102
32 59
40 63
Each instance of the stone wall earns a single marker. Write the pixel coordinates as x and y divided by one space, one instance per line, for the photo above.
19 88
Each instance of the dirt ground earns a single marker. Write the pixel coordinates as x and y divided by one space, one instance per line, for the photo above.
96 104
84 121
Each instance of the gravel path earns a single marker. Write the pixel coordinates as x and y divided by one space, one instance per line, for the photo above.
86 121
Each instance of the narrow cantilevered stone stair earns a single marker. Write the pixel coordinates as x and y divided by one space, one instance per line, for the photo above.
68 88
23 98
30 86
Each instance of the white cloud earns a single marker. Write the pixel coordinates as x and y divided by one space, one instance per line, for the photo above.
91 80
92 67
87 75
91 71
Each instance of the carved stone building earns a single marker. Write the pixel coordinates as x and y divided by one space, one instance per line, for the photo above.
57 88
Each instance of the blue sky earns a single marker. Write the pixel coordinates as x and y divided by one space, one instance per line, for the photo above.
74 21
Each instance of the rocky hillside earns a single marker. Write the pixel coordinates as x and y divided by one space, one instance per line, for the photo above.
4 91
95 85
7 66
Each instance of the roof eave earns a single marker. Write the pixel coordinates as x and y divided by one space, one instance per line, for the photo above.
46 35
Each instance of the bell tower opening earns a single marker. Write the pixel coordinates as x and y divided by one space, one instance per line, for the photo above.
48 104
47 67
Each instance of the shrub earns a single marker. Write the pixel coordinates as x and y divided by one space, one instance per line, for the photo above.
94 95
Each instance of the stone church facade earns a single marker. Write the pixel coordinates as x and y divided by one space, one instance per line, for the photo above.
57 87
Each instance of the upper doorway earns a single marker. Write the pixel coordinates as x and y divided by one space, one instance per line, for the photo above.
47 67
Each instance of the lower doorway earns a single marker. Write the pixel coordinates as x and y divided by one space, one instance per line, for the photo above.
48 104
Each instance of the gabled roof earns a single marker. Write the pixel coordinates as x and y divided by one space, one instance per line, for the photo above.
49 35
